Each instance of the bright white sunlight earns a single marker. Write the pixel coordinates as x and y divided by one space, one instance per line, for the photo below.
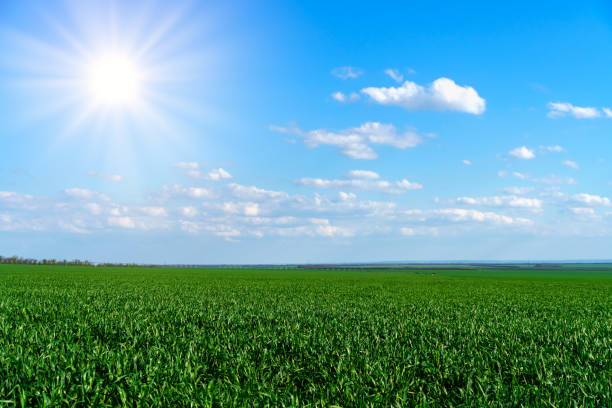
114 80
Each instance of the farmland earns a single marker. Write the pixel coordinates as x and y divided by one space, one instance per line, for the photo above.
133 336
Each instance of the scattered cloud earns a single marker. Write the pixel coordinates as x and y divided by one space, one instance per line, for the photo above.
463 215
362 180
442 94
502 201
466 162
552 149
522 153
583 211
195 172
394 74
570 163
340 97
355 142
561 109
123 222
347 72
212 174
517 190
255 193
363 174
590 199
85 194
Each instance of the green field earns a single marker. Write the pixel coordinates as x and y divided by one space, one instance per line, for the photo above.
93 336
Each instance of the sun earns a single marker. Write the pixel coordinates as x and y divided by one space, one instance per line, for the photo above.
114 80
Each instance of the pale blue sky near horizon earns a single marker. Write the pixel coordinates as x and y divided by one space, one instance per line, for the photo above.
288 132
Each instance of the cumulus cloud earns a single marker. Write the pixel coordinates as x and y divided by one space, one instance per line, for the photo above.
583 211
591 199
570 163
212 174
85 194
341 97
123 222
394 74
347 72
11 199
412 231
255 193
463 215
466 162
561 109
154 211
363 174
522 153
355 142
110 177
178 190
502 201
189 211
442 94
391 187
194 171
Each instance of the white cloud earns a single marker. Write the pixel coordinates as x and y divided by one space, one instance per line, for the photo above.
255 193
85 194
123 222
463 215
442 94
391 187
466 162
177 190
248 208
522 153
457 214
553 179
394 74
560 109
110 177
607 112
355 142
347 196
591 199
189 211
517 190
363 174
552 149
12 199
212 174
570 163
583 211
340 97
412 231
94 208
154 211
347 72
502 201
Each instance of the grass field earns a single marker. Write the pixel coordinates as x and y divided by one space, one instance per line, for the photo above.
85 336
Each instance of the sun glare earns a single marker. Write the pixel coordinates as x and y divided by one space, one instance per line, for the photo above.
114 80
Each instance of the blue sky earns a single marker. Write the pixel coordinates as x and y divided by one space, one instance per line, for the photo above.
305 131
